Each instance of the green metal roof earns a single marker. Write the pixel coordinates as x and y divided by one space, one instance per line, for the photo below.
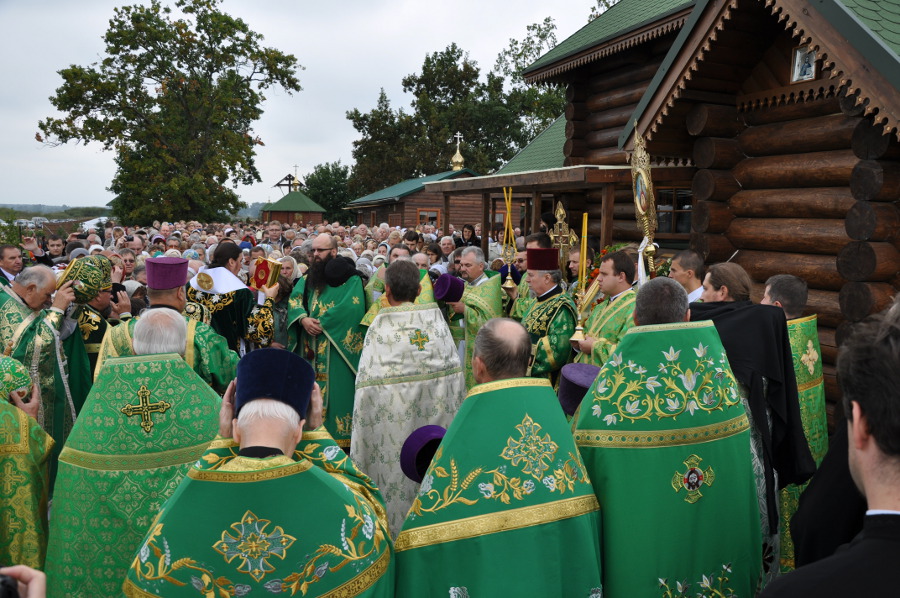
295 201
622 17
869 26
544 152
407 187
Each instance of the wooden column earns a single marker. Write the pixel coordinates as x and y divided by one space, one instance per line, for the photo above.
607 205
485 222
535 211
445 223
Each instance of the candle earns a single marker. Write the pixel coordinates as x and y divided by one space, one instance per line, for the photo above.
583 257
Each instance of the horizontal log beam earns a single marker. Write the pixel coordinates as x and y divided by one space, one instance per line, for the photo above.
795 111
711 217
621 77
816 169
618 97
817 134
603 138
614 117
820 270
865 261
875 180
713 120
714 248
870 143
793 235
607 156
809 202
717 152
714 185
861 299
576 111
871 221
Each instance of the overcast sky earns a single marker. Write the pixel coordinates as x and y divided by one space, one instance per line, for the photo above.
350 50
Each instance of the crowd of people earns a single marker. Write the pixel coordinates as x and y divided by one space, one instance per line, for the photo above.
235 409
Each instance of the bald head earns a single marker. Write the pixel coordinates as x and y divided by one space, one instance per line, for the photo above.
324 246
502 350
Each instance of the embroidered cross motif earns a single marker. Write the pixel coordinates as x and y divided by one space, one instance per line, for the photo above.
253 545
145 408
810 358
692 479
533 450
418 339
11 477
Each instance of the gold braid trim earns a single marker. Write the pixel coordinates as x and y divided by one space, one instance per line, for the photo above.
510 383
100 462
655 439
363 581
491 523
219 443
249 476
811 384
20 447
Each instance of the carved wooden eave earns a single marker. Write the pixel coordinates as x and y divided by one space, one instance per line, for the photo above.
635 37
799 19
881 99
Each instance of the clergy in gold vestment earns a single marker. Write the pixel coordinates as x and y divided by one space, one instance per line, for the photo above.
24 477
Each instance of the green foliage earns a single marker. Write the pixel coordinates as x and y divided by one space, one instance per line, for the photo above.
380 153
538 105
449 96
175 99
601 7
327 185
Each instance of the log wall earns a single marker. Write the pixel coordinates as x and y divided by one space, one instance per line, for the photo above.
805 189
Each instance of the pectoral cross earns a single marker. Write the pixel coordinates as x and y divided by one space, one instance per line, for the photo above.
563 238
145 408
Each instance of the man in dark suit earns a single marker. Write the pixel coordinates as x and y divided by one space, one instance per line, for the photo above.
869 374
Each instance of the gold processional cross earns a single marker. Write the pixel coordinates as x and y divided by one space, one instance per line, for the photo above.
562 236
145 408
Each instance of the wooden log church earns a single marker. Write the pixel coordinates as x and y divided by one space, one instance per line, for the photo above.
773 128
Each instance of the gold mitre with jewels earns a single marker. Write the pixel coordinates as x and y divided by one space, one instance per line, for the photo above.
87 277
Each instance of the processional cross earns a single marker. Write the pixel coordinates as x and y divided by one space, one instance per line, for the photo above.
145 408
562 236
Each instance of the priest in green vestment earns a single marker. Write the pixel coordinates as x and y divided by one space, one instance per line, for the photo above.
236 311
24 475
666 443
552 318
610 319
324 314
31 331
480 302
790 294
205 350
425 297
277 518
522 300
409 376
506 507
148 417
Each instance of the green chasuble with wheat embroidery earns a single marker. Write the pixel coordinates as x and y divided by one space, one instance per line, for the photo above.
148 417
666 443
506 507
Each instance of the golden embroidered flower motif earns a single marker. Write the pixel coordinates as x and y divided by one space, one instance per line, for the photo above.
253 545
535 451
810 358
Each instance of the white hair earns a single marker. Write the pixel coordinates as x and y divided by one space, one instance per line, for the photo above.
476 252
39 276
261 409
160 331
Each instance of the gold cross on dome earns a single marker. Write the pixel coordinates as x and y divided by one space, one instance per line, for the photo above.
145 408
418 339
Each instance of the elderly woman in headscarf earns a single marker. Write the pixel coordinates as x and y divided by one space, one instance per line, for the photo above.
289 269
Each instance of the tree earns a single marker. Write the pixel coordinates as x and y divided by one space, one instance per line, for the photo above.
175 99
327 185
601 7
539 105
381 159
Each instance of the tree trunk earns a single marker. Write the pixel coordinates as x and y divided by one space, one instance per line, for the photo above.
711 217
864 261
867 221
860 299
819 270
818 134
714 185
716 152
817 169
713 120
794 235
811 202
873 180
